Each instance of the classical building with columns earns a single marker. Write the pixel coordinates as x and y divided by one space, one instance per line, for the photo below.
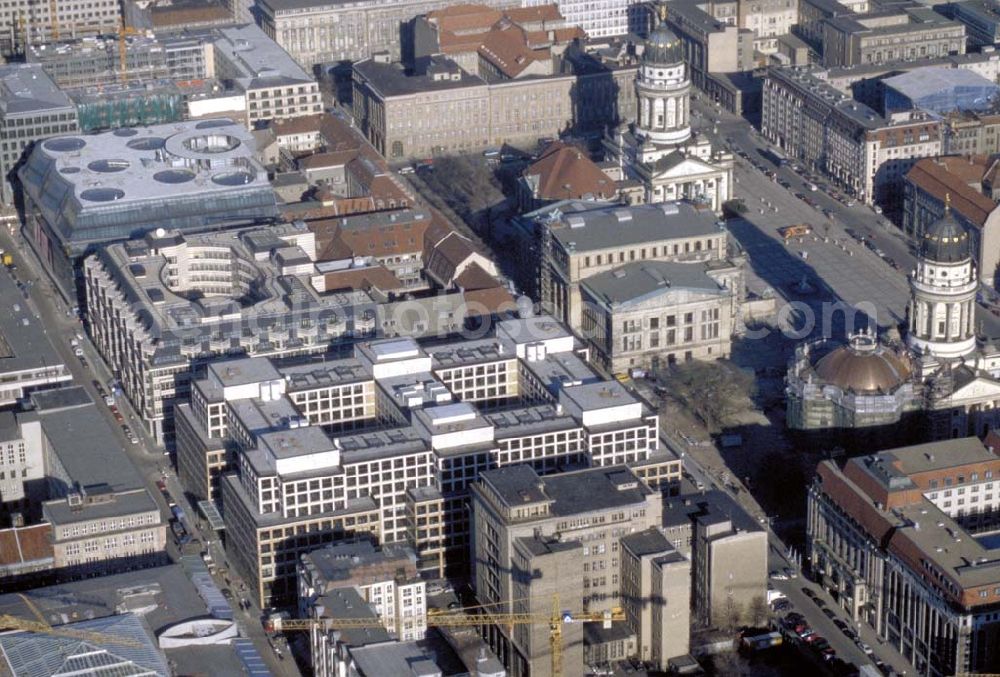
942 371
658 148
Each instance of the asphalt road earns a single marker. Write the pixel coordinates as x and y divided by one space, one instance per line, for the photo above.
148 459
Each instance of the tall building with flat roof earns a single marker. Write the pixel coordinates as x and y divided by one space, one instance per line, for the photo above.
24 23
387 443
84 191
574 519
32 108
905 539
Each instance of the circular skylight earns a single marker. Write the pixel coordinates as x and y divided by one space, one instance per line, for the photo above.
233 178
64 144
212 124
102 194
146 143
108 166
125 131
174 176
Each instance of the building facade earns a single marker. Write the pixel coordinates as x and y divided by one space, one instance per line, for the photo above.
576 518
24 23
912 33
463 112
897 537
32 108
866 153
642 315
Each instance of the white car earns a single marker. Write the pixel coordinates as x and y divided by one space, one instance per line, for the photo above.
867 649
778 576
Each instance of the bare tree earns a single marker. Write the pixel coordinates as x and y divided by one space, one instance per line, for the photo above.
712 391
757 611
729 615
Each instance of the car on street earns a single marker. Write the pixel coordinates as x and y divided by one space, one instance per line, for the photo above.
829 613
868 651
780 605
788 571
778 576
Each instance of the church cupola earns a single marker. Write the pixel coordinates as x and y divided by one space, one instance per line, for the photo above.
663 90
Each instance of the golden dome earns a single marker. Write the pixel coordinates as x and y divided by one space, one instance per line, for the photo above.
862 366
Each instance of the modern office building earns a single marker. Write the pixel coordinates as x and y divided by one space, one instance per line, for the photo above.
903 539
535 537
85 191
97 60
939 91
163 306
981 19
32 108
386 443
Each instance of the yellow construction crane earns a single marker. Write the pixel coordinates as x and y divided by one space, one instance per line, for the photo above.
123 32
462 618
41 626
54 19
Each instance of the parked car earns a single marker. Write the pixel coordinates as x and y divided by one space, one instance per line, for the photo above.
778 576
790 572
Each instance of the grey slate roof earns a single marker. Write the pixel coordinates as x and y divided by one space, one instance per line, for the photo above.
26 89
390 79
586 226
644 279
83 440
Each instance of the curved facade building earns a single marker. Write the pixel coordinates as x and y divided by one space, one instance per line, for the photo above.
87 190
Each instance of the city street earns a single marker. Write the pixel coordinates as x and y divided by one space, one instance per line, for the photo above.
60 327
832 264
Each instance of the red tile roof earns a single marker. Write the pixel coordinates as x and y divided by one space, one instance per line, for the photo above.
932 178
25 544
565 172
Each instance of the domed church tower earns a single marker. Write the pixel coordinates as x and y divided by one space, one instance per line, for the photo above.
663 90
943 292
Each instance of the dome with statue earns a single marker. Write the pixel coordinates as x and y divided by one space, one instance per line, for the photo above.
663 47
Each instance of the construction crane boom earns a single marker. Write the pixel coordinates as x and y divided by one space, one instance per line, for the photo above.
462 618
53 19
24 625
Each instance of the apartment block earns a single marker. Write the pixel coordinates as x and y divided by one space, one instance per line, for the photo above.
910 33
385 444
32 108
866 153
576 521
904 539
